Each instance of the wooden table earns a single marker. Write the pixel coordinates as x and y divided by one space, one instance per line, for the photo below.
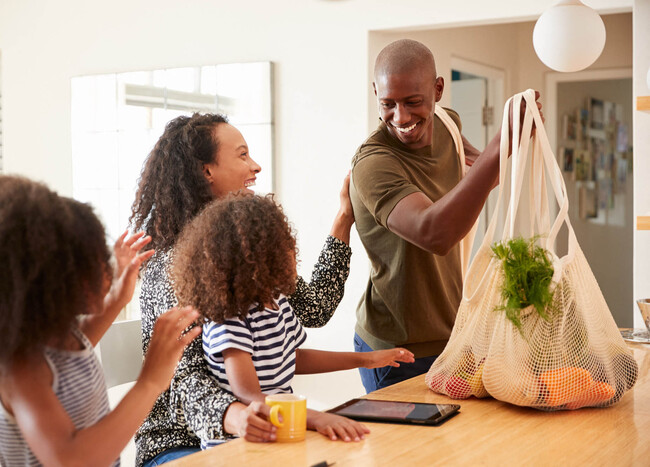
486 432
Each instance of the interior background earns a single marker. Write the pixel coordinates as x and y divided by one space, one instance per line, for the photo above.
323 52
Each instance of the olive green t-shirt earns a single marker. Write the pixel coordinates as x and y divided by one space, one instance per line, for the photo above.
412 295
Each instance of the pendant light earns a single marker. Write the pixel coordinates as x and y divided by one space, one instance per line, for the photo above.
569 36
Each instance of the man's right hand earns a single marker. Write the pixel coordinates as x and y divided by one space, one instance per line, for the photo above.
522 114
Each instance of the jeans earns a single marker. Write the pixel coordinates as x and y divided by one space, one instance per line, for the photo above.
170 455
377 378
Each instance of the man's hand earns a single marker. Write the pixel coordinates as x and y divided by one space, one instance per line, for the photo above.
522 114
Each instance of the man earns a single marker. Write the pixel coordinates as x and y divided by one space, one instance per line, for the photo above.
412 206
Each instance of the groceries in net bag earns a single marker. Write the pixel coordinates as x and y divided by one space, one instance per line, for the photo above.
533 329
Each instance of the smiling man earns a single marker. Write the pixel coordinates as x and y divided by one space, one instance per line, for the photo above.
412 207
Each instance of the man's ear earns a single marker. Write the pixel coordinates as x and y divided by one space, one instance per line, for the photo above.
374 88
440 86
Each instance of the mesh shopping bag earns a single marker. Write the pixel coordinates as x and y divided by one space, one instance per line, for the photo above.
566 355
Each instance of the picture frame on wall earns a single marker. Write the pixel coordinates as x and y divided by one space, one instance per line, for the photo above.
583 165
567 159
621 137
587 200
605 197
621 175
570 127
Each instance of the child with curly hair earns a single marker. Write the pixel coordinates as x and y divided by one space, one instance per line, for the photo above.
58 296
236 263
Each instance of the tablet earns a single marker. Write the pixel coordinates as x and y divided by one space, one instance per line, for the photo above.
412 413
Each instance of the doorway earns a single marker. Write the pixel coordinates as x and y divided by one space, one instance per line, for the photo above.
592 140
477 92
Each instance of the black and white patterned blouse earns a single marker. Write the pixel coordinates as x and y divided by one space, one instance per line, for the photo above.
194 405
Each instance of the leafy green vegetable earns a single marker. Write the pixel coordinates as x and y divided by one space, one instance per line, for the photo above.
527 278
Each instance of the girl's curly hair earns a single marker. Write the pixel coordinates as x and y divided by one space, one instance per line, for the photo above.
239 251
55 266
172 188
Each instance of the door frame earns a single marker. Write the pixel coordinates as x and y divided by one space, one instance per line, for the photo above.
496 84
553 79
549 109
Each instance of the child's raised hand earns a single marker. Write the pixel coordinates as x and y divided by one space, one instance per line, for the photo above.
128 260
168 341
390 357
336 427
126 249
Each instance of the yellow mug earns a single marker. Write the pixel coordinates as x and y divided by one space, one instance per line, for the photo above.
293 409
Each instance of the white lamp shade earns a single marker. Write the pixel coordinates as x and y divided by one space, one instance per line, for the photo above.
569 36
648 78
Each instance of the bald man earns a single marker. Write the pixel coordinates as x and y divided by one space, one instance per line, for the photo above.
412 207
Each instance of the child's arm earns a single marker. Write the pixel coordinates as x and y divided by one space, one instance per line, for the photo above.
242 376
47 428
309 361
128 261
246 387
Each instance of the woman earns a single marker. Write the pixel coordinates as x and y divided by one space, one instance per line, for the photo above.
196 160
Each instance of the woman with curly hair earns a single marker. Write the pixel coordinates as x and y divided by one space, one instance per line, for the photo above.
196 160
55 305
236 263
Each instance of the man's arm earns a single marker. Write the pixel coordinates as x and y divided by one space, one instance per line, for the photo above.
438 226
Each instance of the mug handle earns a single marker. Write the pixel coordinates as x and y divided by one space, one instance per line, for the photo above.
273 416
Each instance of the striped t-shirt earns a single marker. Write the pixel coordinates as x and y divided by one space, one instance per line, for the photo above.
270 336
78 383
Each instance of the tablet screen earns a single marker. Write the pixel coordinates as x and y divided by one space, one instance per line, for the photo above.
407 411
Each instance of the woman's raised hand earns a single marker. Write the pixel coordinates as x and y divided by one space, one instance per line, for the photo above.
345 217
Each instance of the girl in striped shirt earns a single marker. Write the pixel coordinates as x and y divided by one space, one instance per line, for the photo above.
236 263
57 298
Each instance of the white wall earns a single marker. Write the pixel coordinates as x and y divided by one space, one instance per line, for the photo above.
641 153
320 49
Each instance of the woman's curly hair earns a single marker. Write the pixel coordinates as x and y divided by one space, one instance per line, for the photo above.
239 251
55 266
172 188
